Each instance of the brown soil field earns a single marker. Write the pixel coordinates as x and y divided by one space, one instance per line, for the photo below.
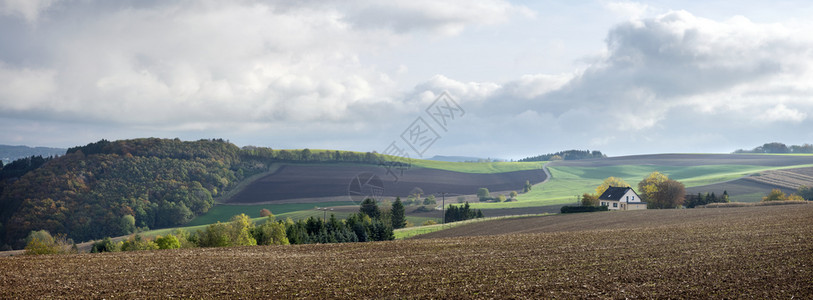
315 181
753 188
741 190
692 160
613 220
789 179
756 252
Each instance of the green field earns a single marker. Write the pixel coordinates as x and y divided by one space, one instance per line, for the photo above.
568 183
405 233
480 168
224 212
293 215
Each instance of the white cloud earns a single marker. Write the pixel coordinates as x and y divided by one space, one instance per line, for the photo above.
631 10
781 113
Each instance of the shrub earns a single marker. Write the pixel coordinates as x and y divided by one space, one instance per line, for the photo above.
238 232
778 195
137 243
424 209
429 222
483 194
215 235
581 209
105 245
167 242
265 213
185 239
270 233
589 199
41 242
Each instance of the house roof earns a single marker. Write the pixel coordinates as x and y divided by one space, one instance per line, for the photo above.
615 193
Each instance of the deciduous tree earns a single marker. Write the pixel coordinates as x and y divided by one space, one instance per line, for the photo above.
670 194
589 200
775 195
648 187
610 182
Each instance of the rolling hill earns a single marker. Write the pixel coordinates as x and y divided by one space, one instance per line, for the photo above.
699 172
321 183
113 188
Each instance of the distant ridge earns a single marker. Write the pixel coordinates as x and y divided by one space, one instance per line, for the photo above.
10 153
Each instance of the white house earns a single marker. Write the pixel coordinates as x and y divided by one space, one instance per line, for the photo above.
621 198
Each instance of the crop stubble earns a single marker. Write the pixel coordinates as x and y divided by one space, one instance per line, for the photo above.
734 252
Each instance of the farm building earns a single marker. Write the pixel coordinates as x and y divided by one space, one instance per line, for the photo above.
621 198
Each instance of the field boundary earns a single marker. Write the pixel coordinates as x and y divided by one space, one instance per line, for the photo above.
405 233
242 184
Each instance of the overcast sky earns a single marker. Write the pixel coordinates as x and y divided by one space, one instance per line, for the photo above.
527 77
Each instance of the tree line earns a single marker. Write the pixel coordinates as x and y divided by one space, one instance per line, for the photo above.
776 147
369 224
566 155
461 213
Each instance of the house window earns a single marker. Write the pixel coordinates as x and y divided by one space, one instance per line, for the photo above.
633 198
615 204
628 198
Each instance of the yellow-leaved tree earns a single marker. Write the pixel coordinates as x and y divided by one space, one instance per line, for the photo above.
610 181
648 187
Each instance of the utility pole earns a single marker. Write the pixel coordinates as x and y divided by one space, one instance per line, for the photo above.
443 206
324 214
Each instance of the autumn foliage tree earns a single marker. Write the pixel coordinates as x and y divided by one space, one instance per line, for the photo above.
648 188
670 194
610 182
589 200
778 195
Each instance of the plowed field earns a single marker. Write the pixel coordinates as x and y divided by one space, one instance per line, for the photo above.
788 179
293 182
757 252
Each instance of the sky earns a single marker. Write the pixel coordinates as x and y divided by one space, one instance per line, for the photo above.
486 78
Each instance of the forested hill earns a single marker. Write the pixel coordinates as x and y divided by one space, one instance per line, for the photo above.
111 188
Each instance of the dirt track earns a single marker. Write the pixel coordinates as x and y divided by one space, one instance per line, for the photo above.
758 252
313 181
